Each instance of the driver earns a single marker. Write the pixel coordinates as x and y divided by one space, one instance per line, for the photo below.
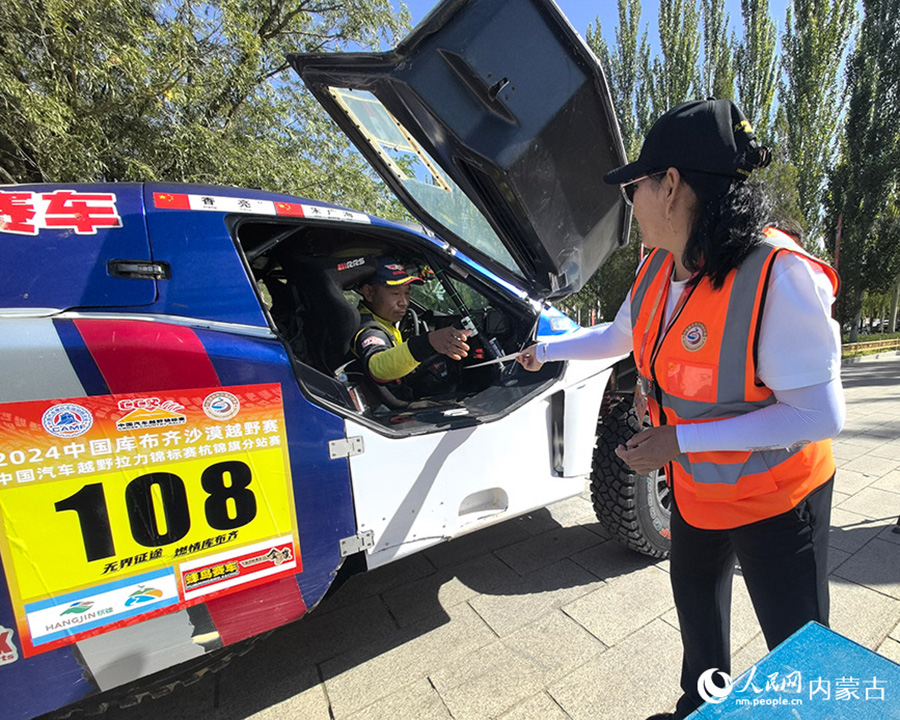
385 355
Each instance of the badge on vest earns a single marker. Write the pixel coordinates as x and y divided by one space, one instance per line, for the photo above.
694 337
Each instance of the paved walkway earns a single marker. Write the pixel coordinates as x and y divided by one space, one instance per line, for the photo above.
543 617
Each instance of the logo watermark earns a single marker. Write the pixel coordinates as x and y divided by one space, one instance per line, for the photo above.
709 691
780 689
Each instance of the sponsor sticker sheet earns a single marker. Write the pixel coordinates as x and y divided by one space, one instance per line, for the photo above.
119 507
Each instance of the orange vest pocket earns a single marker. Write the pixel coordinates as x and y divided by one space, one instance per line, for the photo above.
691 381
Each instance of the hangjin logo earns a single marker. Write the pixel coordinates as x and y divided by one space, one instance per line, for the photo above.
709 691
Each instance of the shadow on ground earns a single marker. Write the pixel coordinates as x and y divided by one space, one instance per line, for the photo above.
356 624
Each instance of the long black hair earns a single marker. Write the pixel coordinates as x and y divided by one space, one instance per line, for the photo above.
729 219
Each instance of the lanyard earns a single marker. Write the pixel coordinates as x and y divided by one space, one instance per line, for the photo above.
662 296
644 385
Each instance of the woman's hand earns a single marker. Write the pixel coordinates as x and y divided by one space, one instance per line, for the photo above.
528 359
650 449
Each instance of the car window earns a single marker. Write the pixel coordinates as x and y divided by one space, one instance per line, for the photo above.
434 296
430 187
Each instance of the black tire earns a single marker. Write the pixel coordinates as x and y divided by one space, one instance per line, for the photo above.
633 508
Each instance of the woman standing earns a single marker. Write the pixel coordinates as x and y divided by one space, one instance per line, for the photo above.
738 360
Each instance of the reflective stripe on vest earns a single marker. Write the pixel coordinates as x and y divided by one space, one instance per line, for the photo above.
705 369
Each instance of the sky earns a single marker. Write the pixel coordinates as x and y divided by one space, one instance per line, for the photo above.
583 12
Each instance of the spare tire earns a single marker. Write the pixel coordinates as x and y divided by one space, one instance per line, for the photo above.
634 509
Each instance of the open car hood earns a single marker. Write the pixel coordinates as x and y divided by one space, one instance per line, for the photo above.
493 123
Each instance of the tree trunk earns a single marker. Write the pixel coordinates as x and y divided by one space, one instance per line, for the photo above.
895 297
853 336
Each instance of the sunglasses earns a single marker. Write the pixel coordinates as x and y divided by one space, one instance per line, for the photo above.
629 187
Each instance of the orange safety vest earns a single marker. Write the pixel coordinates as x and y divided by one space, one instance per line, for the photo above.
701 366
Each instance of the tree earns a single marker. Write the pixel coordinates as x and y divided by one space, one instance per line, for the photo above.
642 90
781 180
817 33
115 90
675 78
627 69
864 185
718 72
756 66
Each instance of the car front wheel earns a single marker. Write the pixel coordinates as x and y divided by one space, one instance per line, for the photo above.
634 509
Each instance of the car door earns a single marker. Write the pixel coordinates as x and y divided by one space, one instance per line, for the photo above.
411 493
499 102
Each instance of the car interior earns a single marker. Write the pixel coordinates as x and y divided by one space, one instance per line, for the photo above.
306 273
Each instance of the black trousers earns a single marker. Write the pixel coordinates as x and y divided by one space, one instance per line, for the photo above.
784 561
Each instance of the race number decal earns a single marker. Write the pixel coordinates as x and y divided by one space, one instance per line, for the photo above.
122 506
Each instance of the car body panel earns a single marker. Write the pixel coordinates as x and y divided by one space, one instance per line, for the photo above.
449 484
90 225
508 100
140 363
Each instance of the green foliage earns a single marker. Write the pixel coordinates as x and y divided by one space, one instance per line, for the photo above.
781 180
628 71
119 90
718 71
863 187
814 45
675 78
756 66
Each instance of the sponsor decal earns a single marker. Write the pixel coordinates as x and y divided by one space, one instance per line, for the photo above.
694 336
276 556
67 420
234 568
73 614
221 405
76 608
373 340
143 595
9 653
220 203
149 413
26 213
351 264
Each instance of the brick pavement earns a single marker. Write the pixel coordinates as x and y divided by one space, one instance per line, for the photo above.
544 617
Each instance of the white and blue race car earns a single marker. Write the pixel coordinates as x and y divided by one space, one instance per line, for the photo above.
186 460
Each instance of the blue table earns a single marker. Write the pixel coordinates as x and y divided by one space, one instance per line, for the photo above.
815 674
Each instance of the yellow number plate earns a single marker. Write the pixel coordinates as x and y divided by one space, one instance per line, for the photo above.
120 505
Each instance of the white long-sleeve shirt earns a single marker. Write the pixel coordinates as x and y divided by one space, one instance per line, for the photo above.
799 360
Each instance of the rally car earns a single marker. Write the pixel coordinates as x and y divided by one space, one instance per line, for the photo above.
188 460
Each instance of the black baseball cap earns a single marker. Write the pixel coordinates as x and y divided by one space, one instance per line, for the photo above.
389 272
708 136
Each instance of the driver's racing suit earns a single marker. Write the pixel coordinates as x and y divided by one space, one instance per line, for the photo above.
386 357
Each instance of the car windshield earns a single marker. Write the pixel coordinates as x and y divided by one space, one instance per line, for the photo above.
432 190
434 295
